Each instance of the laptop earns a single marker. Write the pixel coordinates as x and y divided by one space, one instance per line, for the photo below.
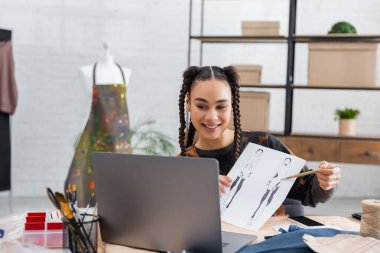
168 204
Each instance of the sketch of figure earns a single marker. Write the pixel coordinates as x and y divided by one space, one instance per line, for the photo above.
272 187
238 182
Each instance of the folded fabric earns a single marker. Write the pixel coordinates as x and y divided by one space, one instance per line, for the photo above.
291 228
292 241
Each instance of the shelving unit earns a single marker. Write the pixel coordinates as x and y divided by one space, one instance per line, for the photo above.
366 149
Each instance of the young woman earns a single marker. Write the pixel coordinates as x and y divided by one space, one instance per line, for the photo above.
211 96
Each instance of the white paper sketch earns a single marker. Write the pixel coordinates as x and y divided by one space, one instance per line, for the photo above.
237 184
272 187
257 189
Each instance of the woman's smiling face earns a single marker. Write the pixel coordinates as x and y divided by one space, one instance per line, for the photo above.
210 108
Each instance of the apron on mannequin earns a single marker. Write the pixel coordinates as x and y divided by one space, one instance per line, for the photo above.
106 130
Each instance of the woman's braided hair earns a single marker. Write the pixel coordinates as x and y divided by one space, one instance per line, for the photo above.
190 76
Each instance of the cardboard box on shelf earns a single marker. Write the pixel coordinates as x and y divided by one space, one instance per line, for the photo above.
249 74
342 64
254 111
260 28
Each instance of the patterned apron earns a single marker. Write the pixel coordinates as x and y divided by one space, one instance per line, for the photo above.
106 131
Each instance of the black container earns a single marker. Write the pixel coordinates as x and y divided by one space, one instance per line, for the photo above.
82 234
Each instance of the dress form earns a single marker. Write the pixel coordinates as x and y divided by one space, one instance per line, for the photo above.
107 72
107 125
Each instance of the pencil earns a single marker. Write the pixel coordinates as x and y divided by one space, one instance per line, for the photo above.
308 173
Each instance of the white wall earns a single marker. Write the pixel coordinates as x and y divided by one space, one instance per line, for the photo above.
53 38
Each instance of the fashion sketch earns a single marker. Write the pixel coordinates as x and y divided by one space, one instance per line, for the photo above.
272 187
238 182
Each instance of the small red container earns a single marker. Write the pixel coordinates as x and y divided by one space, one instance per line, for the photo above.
31 219
35 226
54 225
34 214
44 229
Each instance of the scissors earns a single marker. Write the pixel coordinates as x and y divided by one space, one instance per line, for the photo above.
57 199
75 226
52 198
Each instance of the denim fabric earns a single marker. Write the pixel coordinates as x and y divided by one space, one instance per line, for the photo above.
291 241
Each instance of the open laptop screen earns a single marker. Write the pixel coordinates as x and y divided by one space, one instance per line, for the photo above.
158 203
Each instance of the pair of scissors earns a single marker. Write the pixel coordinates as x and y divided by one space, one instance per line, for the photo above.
59 201
77 226
53 198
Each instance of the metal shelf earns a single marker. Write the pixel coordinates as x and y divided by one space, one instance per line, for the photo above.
284 39
264 86
308 87
329 136
337 38
240 39
333 87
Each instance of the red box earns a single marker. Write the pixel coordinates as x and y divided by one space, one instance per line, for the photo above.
35 226
34 214
44 229
54 225
31 219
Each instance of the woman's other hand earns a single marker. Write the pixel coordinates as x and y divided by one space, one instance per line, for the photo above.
328 175
224 181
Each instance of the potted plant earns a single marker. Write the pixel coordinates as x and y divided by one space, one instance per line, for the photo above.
347 118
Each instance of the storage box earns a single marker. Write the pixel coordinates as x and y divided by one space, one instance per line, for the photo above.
254 111
44 229
260 28
342 64
249 74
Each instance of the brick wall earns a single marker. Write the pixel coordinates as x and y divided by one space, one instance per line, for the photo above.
52 39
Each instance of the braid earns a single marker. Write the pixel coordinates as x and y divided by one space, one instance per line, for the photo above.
237 125
188 77
182 121
233 80
190 135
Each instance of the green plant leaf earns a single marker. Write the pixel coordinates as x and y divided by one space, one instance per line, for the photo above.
346 113
342 27
146 139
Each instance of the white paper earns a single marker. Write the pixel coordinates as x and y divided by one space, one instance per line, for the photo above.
257 189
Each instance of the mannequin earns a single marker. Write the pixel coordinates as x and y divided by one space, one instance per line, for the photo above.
107 123
107 71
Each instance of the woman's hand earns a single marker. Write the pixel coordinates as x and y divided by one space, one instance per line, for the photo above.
224 181
328 177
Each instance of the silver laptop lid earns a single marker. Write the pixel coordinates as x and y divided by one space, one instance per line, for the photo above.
158 203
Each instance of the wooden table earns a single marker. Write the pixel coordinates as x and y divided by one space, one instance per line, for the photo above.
345 223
